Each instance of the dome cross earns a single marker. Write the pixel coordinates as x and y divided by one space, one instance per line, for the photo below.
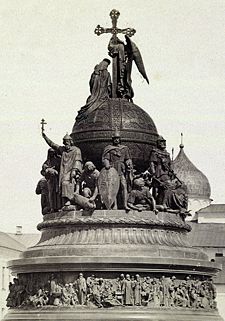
114 14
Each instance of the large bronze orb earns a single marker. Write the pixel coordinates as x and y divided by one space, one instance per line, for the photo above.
136 128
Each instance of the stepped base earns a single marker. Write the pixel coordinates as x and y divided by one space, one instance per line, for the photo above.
112 314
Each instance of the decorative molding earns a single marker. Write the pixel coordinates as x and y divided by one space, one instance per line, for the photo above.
90 235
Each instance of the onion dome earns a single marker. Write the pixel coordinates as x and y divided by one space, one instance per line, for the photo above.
197 183
137 131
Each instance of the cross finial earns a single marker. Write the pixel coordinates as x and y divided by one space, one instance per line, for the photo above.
114 14
43 123
181 141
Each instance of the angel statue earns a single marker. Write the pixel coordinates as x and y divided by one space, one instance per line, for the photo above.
125 54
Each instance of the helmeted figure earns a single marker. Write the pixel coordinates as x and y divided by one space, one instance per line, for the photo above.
70 167
118 156
168 190
100 88
160 170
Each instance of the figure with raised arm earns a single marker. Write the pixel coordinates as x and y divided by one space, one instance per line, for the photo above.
70 167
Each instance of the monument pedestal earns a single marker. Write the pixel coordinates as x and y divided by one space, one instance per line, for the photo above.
142 263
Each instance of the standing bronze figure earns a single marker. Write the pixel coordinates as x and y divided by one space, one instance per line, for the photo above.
123 55
118 157
70 167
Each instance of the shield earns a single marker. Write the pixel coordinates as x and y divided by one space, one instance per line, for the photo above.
108 185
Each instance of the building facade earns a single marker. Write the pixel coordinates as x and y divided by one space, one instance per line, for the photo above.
11 246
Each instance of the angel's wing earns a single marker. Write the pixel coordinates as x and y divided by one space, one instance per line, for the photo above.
136 56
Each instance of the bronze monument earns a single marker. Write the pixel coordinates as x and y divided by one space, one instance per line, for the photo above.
114 243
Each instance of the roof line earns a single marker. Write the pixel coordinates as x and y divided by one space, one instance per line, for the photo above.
6 247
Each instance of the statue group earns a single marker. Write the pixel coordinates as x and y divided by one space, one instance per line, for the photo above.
68 184
125 290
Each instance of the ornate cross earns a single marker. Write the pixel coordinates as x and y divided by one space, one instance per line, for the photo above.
114 14
43 123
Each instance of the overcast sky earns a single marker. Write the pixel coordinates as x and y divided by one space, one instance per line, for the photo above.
48 51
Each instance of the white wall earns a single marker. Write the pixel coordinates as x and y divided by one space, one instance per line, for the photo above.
221 299
5 276
195 204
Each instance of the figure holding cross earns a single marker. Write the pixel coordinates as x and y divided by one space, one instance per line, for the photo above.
123 56
70 166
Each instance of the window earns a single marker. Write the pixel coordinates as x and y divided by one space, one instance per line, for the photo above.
219 254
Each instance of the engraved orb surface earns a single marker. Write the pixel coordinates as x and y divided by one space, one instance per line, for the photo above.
136 128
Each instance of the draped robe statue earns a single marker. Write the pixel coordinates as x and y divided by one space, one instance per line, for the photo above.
100 88
70 167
